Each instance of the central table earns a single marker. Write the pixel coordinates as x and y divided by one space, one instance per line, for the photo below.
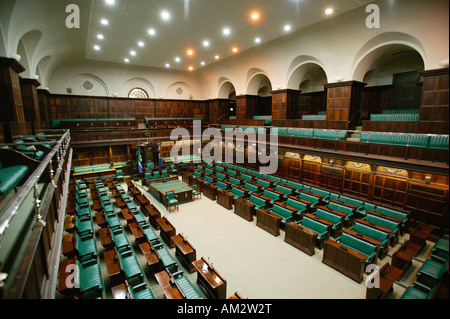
182 191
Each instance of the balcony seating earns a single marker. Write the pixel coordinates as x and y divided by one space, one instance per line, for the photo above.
132 270
402 117
285 214
416 140
317 227
11 177
93 168
89 277
375 234
439 141
186 286
167 259
401 111
314 117
359 245
140 291
335 219
171 200
30 150
330 134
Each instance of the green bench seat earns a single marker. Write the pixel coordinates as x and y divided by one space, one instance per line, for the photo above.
167 259
90 280
86 248
186 286
251 188
317 227
273 196
325 194
259 202
359 245
120 240
301 207
263 183
131 268
287 191
373 233
285 214
140 291
343 209
418 291
11 177
309 198
335 219
221 185
298 186
431 272
352 201
384 223
393 213
237 193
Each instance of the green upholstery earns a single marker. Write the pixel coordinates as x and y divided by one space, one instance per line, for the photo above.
287 191
312 199
251 188
209 179
273 196
120 240
173 168
113 221
84 228
132 270
315 226
383 223
197 174
90 280
171 200
392 213
348 200
11 177
330 134
285 214
165 174
237 193
300 132
372 233
431 272
418 291
335 219
84 212
419 140
439 141
302 207
275 179
341 208
298 186
167 259
148 176
359 245
259 202
321 192
234 181
314 117
119 174
366 207
150 233
93 168
86 248
401 111
221 185
186 286
395 117
140 291
263 183
440 250
156 175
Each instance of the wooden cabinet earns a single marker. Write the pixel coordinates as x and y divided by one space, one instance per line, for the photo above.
301 238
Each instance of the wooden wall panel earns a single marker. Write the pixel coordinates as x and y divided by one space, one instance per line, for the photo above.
435 97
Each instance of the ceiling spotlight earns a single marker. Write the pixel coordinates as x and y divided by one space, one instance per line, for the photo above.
287 27
151 31
100 36
165 15
96 48
191 68
133 53
190 52
110 2
235 49
141 44
329 11
254 15
126 60
226 31
177 59
202 63
104 21
217 57
206 43
257 40
167 65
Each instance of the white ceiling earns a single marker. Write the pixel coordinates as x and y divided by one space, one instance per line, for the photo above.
192 22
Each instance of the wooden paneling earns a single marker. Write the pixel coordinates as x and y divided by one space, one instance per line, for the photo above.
285 104
246 106
435 96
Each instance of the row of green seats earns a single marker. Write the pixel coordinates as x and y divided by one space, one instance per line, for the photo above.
417 140
314 117
412 117
401 111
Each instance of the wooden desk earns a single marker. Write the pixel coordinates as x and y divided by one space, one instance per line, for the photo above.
142 200
185 252
244 209
225 199
167 231
210 191
137 232
97 205
100 219
113 266
127 215
420 235
169 285
120 292
403 256
69 224
120 202
154 261
292 209
69 245
64 273
209 280
300 237
106 238
369 240
153 214
386 277
268 221
344 259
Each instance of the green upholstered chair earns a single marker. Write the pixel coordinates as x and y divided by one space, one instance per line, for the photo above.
11 177
86 248
171 200
119 175
140 291
89 277
196 193
186 286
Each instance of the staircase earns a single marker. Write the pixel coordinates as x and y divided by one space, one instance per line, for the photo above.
356 136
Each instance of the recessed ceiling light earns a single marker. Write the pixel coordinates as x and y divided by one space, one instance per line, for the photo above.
202 63
151 31
104 21
167 65
217 57
141 44
96 48
165 15
329 11
287 27
226 31
177 59
257 40
206 43
254 15
190 52
234 49
126 60
100 36
133 53
110 1
191 68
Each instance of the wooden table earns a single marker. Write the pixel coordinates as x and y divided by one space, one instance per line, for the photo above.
167 231
209 280
402 258
225 199
300 237
169 285
137 232
100 219
119 292
113 266
268 221
210 191
185 252
142 200
106 238
244 209
69 224
151 255
344 259
386 277
153 214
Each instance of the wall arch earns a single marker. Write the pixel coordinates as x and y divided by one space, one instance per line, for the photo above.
226 90
179 91
100 87
383 44
3 50
308 77
138 83
259 83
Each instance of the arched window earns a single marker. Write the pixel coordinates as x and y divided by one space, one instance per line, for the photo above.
138 93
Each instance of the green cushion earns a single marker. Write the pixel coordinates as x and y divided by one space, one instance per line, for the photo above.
188 288
10 177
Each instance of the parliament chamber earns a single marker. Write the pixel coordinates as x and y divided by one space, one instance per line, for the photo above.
136 150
